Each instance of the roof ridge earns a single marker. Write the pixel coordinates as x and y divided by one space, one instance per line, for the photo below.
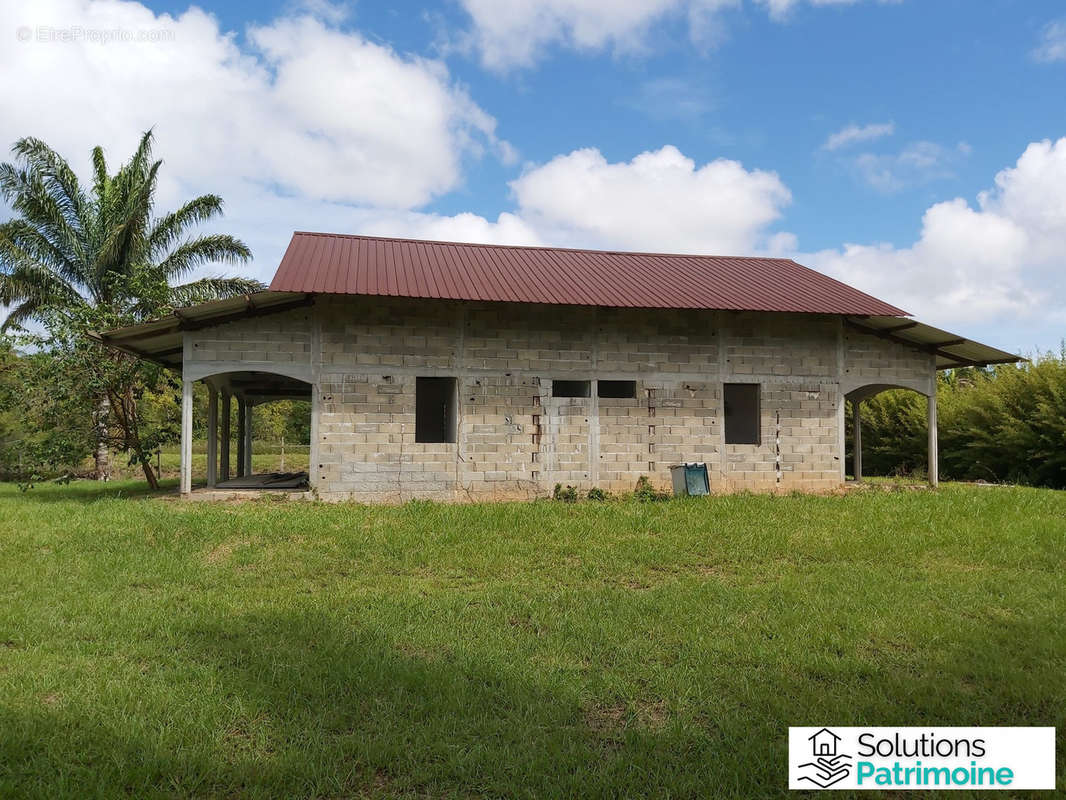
543 247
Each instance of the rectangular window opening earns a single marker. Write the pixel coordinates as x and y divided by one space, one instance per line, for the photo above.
570 388
436 409
616 388
742 413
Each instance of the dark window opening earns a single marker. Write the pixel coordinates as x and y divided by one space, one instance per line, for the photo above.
570 388
616 388
436 409
742 413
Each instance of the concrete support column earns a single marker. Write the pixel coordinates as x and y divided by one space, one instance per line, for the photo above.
186 436
225 436
212 436
247 466
934 456
857 425
241 423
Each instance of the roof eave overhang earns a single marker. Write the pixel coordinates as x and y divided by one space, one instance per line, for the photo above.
167 332
951 351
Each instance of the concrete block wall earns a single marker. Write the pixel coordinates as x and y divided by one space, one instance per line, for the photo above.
281 338
872 359
515 439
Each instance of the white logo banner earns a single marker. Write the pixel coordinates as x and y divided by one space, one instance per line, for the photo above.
921 758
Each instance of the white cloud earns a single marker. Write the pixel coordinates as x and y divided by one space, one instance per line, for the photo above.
1052 46
660 200
999 261
781 9
303 108
671 98
508 228
917 163
858 133
516 33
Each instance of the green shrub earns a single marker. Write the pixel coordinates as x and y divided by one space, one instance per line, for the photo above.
646 493
567 495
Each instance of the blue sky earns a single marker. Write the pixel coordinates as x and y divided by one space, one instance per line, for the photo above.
792 127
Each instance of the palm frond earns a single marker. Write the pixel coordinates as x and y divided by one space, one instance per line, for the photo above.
130 206
207 289
61 181
54 218
201 251
35 290
167 230
18 316
21 243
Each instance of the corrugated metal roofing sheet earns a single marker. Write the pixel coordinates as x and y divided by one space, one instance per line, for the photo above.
325 263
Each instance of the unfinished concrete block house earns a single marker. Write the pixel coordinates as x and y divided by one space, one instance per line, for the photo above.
466 371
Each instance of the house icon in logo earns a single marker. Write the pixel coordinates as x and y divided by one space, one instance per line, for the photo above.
824 743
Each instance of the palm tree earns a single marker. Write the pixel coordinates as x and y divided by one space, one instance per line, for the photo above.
101 254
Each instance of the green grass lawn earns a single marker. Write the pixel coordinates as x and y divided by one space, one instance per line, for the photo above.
155 648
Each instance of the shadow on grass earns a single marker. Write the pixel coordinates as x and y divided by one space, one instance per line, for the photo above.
88 491
309 703
298 706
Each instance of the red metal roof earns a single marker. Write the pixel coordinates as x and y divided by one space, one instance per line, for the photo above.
328 263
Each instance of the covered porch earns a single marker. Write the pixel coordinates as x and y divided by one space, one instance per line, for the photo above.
226 470
946 351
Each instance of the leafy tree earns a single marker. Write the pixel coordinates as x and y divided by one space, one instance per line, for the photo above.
76 260
45 417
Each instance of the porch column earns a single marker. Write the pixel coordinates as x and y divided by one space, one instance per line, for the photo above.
225 436
241 422
247 438
186 436
857 425
212 436
934 460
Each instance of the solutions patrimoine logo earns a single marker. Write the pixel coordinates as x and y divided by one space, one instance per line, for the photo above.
949 757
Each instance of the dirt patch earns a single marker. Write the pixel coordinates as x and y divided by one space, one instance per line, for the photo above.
224 551
881 649
416 651
950 565
606 720
730 573
612 720
652 715
633 584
